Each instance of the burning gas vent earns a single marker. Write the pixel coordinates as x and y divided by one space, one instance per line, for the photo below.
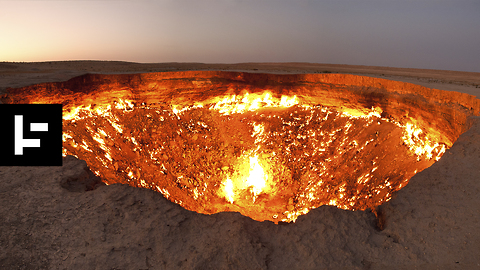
271 149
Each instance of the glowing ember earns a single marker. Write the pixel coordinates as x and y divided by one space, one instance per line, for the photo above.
269 156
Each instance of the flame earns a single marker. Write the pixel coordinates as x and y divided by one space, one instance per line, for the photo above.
73 113
290 163
250 176
228 190
257 178
250 102
420 144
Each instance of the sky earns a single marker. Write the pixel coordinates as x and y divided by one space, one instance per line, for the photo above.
432 34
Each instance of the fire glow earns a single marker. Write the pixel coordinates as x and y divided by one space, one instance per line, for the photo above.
284 163
267 155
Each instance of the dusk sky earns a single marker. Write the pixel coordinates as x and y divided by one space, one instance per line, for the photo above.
433 34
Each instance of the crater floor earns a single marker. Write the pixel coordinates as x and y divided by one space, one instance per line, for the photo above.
270 146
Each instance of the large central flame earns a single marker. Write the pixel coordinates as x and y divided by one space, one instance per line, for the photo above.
251 177
257 178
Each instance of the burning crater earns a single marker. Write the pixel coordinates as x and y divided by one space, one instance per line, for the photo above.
271 147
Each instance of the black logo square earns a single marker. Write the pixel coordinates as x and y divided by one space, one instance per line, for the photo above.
30 134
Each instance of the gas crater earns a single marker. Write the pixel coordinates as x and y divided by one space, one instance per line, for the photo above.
271 147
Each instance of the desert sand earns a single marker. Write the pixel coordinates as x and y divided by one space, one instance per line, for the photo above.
48 219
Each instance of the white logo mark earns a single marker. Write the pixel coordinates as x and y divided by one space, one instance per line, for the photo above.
20 142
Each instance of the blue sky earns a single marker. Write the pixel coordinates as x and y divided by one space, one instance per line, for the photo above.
435 34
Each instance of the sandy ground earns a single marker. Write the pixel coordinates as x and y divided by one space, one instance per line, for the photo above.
49 221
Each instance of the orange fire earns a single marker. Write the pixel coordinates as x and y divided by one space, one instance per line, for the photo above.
269 146
268 157
251 176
